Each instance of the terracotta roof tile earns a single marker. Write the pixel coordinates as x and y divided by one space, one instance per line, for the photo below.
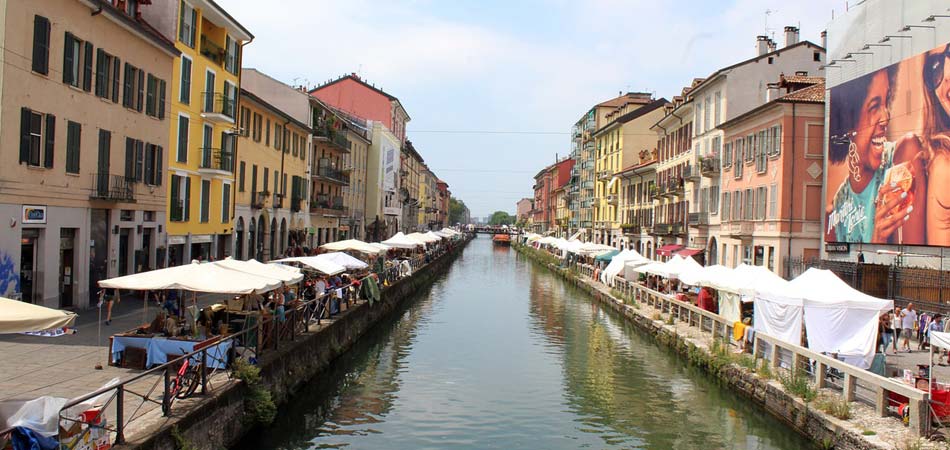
811 94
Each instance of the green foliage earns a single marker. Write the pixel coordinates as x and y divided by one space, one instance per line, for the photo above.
869 432
669 319
746 360
796 382
456 210
657 316
765 369
835 406
180 442
501 218
827 443
259 406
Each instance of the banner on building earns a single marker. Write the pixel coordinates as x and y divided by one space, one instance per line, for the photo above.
888 159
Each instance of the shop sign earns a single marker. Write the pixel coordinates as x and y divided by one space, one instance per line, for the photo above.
838 247
33 214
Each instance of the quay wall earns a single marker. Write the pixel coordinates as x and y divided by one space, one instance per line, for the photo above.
824 430
218 420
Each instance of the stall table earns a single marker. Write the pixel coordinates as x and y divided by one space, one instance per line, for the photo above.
157 349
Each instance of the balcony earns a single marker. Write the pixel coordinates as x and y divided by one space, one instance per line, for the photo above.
331 174
710 167
333 136
587 185
278 201
690 173
655 193
259 199
211 50
677 228
217 108
603 176
328 206
632 229
696 219
114 188
673 187
742 228
216 161
613 199
296 204
662 229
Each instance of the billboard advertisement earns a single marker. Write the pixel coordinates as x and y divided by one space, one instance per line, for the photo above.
888 167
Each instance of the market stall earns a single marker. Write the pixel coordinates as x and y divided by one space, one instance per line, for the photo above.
22 317
354 245
618 264
401 240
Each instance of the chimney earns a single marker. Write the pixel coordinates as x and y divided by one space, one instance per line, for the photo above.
761 45
772 45
791 36
824 39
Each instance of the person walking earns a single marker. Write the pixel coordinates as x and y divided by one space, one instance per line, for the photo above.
908 322
896 326
923 324
887 331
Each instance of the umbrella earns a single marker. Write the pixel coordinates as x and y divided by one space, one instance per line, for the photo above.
347 261
350 244
22 317
324 266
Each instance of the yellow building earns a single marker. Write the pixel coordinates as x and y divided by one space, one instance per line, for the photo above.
357 162
619 143
270 203
204 95
422 218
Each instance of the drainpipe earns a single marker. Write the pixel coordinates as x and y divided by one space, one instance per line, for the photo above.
791 200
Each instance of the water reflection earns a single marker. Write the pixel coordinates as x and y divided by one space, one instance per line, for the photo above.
500 353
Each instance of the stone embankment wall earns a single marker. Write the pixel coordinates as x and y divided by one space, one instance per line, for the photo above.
822 429
217 421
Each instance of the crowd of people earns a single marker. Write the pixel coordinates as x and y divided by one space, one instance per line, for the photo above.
897 329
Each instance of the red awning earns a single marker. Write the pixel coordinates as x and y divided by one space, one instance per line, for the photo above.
668 249
686 252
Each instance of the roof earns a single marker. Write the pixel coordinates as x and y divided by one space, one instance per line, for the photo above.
629 97
814 94
632 115
719 72
139 24
359 80
227 17
276 110
635 167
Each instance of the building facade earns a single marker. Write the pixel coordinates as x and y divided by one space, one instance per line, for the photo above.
356 161
637 182
771 178
203 125
523 208
329 174
86 198
674 152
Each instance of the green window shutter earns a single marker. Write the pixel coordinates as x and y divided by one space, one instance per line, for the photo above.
115 79
50 141
139 161
68 60
87 67
159 162
187 199
161 99
41 45
129 157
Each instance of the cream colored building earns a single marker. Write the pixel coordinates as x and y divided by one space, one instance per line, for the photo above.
357 163
86 199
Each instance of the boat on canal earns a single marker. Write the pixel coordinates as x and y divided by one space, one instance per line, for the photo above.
501 239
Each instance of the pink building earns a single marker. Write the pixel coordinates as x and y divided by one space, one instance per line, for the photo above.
359 98
523 208
771 180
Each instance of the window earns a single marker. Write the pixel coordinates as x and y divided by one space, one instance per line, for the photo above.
241 177
107 75
714 199
132 7
37 136
182 151
226 203
737 167
816 57
153 164
140 95
155 98
708 116
726 206
73 61
727 155
41 45
187 24
716 146
180 198
736 206
773 201
73 140
134 159
760 202
257 127
295 143
776 140
303 147
209 92
718 101
205 201
130 86
278 134
286 139
232 49
245 122
771 60
184 89
264 186
761 158
748 210
229 102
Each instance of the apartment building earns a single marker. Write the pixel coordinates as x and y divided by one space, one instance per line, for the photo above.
356 163
637 183
203 124
524 207
722 96
444 196
619 144
674 152
772 181
410 171
84 108
329 174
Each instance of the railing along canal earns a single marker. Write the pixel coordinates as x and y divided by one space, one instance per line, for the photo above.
851 382
265 336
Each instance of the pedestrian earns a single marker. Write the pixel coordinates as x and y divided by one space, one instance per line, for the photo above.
908 323
935 325
107 300
896 326
923 324
887 331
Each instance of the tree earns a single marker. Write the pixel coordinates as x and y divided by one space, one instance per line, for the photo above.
501 218
456 210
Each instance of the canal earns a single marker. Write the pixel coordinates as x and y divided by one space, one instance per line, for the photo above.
501 353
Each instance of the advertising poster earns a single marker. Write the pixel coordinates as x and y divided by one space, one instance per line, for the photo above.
888 168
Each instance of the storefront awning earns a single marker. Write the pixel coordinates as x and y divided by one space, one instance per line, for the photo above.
689 251
668 249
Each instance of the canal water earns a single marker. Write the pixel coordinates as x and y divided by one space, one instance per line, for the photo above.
502 353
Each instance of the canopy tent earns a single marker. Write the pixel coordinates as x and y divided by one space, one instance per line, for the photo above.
347 261
212 277
443 234
22 317
381 247
351 245
708 276
434 236
592 249
420 238
322 265
618 263
607 256
689 251
400 240
673 268
668 249
531 237
285 274
778 313
839 318
450 231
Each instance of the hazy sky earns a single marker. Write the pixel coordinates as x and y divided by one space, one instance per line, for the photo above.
493 87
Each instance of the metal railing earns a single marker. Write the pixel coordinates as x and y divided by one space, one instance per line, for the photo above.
333 174
259 199
106 186
217 159
698 218
217 103
824 371
211 50
710 166
257 340
337 137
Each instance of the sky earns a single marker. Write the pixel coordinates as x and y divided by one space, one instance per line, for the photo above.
493 87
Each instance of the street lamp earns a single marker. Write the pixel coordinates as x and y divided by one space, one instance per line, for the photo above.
889 37
868 46
934 17
908 27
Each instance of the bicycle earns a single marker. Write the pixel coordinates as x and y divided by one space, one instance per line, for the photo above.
184 384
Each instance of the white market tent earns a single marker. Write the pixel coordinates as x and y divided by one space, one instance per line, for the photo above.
443 234
618 263
381 247
324 266
347 261
22 317
673 268
420 238
285 274
400 240
351 245
450 231
839 318
196 277
433 236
